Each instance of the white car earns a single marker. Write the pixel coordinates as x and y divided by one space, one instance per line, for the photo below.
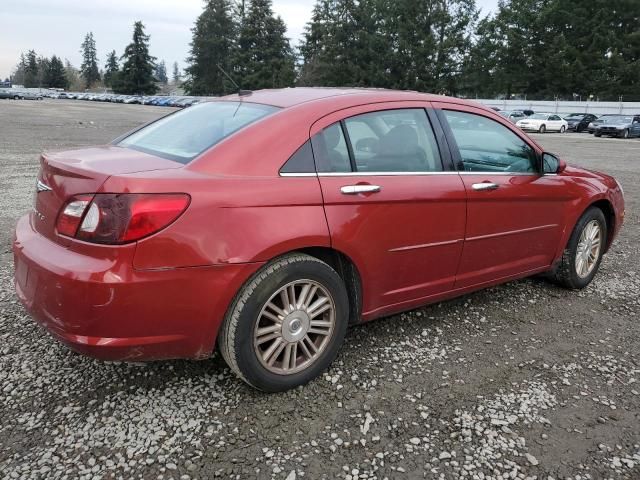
543 122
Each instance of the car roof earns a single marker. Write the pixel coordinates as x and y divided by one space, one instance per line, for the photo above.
290 97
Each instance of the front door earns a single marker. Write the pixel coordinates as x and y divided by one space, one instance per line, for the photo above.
390 203
514 214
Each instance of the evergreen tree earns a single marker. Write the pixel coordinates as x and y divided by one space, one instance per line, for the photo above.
31 70
89 68
55 76
176 73
138 65
212 45
263 58
43 70
161 73
111 69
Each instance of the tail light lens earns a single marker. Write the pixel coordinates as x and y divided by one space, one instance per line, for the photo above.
117 218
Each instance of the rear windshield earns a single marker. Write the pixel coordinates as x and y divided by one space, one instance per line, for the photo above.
186 134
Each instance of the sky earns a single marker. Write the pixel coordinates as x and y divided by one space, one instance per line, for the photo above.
58 27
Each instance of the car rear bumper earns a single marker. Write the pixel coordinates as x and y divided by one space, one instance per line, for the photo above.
100 306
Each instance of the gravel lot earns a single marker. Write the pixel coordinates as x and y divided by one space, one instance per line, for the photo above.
521 381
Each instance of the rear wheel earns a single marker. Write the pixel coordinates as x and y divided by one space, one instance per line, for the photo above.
583 253
542 129
16 97
287 323
562 129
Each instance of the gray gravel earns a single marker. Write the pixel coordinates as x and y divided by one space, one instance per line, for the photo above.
525 380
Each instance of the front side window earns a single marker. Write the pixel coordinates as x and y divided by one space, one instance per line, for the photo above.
488 146
186 134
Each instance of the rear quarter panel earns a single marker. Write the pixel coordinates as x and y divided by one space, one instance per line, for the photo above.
230 219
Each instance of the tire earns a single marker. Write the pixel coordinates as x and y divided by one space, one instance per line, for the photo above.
625 134
597 134
542 129
16 97
566 273
238 338
562 129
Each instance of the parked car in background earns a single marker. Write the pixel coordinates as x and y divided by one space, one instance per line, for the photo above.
543 122
512 115
528 113
27 95
8 93
601 119
579 122
332 207
622 126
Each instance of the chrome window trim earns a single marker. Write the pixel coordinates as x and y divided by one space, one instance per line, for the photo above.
397 174
301 174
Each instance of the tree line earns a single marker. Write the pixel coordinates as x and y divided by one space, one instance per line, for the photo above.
135 72
533 48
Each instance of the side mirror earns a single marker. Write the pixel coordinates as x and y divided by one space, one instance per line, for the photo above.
552 164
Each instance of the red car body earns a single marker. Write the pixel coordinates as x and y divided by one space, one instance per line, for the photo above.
421 238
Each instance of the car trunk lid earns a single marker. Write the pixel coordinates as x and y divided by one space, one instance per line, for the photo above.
66 174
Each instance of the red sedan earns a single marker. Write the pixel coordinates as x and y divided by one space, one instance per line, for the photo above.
269 222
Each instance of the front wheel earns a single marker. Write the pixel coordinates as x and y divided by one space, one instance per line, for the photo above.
597 134
286 324
562 129
625 134
542 129
583 253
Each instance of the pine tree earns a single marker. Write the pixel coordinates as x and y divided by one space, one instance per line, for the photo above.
89 68
176 73
111 69
55 75
31 70
264 58
43 70
212 45
160 73
138 65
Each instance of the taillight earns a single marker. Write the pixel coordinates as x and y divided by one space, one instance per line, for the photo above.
116 218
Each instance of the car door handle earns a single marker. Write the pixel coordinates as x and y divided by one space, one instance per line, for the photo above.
484 186
356 189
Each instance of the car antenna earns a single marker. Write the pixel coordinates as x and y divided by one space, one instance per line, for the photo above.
241 92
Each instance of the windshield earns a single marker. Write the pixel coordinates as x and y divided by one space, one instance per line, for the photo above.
539 116
185 135
616 119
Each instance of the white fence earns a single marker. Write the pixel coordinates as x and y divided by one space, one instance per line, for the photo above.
597 108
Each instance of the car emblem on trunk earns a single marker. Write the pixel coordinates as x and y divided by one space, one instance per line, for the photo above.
42 187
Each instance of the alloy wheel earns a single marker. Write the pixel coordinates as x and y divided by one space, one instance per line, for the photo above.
294 327
588 249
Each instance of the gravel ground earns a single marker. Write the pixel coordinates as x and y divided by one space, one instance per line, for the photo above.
521 381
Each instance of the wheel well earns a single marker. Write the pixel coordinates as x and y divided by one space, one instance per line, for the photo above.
609 216
347 271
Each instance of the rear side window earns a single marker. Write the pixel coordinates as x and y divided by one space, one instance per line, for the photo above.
185 135
488 146
383 141
393 141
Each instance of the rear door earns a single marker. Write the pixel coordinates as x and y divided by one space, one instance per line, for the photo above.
515 215
554 123
635 126
391 203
